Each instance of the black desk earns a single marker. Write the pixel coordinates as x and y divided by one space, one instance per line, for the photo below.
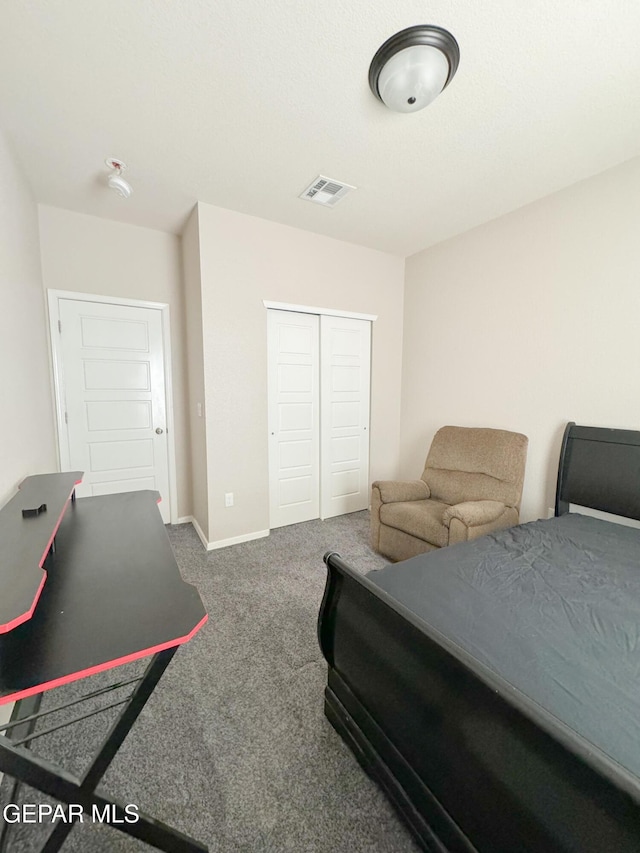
112 594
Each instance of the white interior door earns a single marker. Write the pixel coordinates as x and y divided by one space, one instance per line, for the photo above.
112 387
345 370
293 417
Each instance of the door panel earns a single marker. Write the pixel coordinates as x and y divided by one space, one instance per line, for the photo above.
345 346
107 455
117 415
112 333
294 484
113 388
116 375
130 485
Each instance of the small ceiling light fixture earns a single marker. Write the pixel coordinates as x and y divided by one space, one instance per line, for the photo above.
115 181
412 67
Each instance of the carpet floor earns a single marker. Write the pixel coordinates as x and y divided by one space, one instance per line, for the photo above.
233 747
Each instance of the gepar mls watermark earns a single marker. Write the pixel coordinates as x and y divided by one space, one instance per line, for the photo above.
70 813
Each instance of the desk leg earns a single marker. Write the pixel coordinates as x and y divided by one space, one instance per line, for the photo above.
114 739
43 776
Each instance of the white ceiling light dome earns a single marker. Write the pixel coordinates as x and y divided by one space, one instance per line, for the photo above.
115 181
412 67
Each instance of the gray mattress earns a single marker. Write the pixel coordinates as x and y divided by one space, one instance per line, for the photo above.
553 609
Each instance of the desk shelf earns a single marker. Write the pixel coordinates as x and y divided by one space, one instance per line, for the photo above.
27 532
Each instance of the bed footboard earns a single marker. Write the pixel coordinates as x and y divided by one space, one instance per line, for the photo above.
465 766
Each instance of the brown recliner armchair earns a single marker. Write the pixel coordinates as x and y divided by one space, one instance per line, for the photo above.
471 485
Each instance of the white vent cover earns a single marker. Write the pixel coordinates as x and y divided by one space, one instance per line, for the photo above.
326 191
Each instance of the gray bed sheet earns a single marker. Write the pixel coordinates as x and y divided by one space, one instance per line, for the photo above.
553 608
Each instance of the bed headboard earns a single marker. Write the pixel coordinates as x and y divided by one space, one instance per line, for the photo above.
599 468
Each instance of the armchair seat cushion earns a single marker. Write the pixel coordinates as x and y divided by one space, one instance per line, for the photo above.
422 519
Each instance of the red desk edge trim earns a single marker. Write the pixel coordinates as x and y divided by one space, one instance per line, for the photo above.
24 617
102 667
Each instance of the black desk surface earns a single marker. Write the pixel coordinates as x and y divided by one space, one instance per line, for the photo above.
113 594
24 542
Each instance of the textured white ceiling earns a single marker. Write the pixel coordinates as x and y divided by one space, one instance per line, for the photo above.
241 104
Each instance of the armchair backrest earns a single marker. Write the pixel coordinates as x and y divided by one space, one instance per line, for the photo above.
473 464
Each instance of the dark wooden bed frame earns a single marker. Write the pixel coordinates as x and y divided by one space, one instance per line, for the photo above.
470 763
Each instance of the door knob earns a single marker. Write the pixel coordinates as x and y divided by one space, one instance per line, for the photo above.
159 430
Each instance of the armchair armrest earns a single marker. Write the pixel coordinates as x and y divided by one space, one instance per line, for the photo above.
392 491
474 513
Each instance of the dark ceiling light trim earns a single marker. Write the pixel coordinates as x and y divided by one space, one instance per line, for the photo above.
421 35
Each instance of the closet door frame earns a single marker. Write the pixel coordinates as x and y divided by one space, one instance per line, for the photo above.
310 309
327 312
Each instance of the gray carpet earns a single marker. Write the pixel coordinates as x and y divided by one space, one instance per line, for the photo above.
233 747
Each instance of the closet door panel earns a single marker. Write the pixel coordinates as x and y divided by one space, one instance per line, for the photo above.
293 420
345 376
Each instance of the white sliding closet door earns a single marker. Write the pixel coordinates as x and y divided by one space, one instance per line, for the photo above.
294 422
345 371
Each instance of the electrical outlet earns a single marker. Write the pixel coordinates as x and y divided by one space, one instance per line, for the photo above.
228 499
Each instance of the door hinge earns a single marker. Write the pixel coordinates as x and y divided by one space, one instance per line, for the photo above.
60 326
66 417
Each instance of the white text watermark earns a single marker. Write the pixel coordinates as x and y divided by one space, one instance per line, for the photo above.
70 813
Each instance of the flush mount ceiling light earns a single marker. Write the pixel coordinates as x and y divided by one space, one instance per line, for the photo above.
412 67
115 181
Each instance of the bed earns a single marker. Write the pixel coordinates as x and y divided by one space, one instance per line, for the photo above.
492 688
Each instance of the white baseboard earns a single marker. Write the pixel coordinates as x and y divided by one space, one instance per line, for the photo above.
236 540
185 519
224 543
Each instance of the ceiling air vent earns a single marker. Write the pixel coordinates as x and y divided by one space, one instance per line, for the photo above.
326 191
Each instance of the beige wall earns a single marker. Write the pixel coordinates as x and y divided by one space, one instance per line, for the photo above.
243 261
527 322
195 360
99 256
26 427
